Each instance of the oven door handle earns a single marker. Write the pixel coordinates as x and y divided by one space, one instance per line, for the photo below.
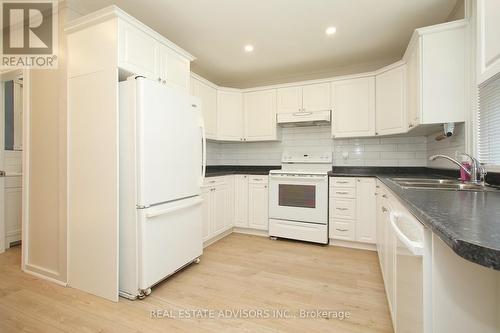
309 179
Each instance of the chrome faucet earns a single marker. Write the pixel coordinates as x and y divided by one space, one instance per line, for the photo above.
477 172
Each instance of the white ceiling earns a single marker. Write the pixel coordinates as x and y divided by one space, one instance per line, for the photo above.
288 35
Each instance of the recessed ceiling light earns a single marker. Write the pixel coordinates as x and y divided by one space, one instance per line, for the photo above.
248 48
330 30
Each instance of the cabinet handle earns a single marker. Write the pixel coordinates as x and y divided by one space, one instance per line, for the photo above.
342 192
164 81
212 181
377 186
265 186
341 230
384 196
343 209
159 79
376 193
384 210
342 182
258 179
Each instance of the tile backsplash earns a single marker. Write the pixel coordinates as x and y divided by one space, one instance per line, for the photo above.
384 151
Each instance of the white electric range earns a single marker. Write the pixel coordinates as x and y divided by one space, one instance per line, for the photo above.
298 197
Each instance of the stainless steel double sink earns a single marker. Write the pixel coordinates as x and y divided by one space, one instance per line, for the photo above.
441 184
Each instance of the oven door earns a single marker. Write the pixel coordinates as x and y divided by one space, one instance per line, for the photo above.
302 198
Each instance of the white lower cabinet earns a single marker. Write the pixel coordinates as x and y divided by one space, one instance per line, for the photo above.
13 210
352 203
258 212
241 201
234 201
217 207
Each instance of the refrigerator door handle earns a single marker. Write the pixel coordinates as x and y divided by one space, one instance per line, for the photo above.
173 209
204 151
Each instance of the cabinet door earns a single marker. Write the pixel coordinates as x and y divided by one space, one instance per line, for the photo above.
413 92
353 103
488 17
138 52
366 205
390 260
230 116
289 100
391 102
207 217
174 68
260 115
220 197
258 217
316 97
208 96
241 201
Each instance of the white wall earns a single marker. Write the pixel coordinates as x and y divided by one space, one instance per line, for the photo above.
448 146
395 151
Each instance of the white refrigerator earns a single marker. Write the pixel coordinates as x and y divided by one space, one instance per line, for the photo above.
162 166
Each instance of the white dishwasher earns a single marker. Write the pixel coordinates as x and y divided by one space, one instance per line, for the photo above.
409 249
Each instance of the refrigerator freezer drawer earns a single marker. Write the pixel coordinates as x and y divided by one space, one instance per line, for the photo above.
170 238
161 240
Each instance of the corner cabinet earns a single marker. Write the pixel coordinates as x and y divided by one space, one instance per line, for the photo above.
437 71
260 115
353 108
230 118
488 41
391 101
208 96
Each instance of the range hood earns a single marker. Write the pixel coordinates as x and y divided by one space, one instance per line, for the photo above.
304 118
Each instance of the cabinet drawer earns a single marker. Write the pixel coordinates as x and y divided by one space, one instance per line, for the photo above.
255 179
342 182
213 181
343 192
343 208
342 230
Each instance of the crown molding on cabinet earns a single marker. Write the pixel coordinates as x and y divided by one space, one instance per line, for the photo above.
432 29
115 12
302 83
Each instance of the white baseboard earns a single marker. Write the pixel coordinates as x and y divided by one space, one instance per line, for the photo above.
217 238
248 231
353 245
44 277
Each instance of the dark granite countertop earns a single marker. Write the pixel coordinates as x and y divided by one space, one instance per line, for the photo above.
469 222
224 170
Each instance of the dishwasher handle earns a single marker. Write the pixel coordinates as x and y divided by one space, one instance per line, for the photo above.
416 248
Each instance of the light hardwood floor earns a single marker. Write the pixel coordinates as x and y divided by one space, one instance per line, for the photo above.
238 272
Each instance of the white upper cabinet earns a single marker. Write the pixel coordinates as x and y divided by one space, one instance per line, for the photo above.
260 115
436 80
391 101
353 103
488 26
208 96
142 51
138 52
230 119
308 98
316 97
174 68
290 100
